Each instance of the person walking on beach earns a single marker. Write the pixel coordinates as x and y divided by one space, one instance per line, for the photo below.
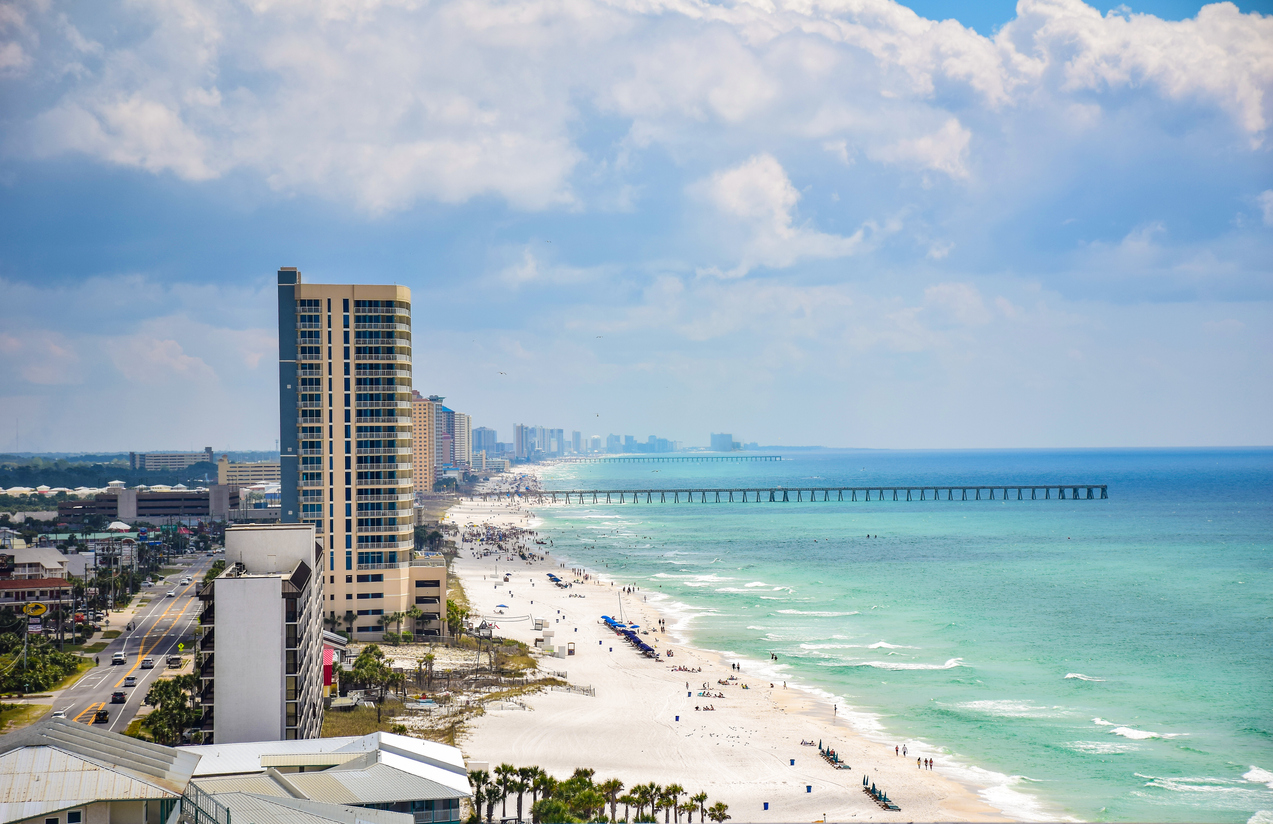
903 750
897 750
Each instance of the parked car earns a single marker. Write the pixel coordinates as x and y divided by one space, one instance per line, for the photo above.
148 663
174 661
130 680
101 717
119 697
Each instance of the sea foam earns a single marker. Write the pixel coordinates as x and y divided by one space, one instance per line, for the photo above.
817 614
1081 677
900 665
1259 776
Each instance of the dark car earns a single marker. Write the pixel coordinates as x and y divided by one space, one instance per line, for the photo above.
101 717
119 697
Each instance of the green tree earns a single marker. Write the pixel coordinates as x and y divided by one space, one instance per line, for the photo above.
455 615
551 811
611 788
371 670
673 795
505 775
701 800
717 813
176 708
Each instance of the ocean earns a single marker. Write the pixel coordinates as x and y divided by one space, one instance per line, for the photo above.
1103 660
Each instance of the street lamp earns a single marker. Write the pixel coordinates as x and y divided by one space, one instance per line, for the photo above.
483 632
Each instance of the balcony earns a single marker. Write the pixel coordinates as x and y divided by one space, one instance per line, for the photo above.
401 417
317 452
394 404
309 404
309 324
206 670
305 356
382 373
391 356
206 696
318 484
401 327
311 497
391 496
429 561
207 642
368 530
384 450
206 724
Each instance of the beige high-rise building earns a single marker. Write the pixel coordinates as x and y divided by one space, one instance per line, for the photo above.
463 440
423 431
346 450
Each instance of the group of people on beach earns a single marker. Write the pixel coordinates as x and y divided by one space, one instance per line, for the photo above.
920 763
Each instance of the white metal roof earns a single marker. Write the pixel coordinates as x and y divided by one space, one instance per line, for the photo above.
259 809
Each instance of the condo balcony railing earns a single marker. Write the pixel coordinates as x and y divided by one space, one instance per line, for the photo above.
302 484
365 372
386 496
308 356
400 417
312 497
366 530
384 450
404 327
429 561
394 404
311 452
309 324
309 404
384 356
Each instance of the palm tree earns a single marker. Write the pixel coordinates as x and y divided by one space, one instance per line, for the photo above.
611 788
493 795
542 784
701 800
628 800
525 780
419 672
717 812
518 785
688 807
479 779
415 615
429 658
504 777
673 795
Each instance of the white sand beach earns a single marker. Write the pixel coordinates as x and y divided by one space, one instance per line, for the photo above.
741 753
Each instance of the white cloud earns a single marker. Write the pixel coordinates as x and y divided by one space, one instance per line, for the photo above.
943 150
759 196
383 104
1265 200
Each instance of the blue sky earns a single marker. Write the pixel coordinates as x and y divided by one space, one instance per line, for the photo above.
1042 224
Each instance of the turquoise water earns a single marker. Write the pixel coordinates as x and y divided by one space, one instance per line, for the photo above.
1101 660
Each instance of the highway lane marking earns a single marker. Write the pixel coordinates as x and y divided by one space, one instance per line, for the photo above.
90 708
141 646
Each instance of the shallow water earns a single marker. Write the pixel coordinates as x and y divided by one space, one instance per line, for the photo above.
1103 660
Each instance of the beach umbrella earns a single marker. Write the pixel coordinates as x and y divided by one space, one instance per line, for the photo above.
501 606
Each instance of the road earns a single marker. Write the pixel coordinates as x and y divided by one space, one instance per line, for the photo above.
158 628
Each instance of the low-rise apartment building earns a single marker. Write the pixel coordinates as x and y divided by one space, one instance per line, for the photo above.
265 614
246 474
168 460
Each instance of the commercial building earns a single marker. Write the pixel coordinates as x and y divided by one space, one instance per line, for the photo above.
156 505
57 771
346 412
265 612
423 779
168 460
246 474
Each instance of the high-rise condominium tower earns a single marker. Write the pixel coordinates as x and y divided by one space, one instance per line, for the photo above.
345 443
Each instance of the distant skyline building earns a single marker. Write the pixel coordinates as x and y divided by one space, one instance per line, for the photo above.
168 460
345 420
723 442
485 440
576 442
423 447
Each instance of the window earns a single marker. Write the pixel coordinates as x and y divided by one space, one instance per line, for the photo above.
371 579
74 817
428 583
371 612
362 596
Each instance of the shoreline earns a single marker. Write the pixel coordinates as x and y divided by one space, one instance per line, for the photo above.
740 754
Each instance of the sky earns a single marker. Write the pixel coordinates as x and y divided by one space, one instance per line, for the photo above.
840 222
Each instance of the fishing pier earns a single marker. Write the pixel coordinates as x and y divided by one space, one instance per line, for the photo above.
677 459
958 492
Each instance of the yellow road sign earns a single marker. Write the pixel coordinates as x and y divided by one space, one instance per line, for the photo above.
35 609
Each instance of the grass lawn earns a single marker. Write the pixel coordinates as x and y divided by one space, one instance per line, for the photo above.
166 571
134 730
360 720
84 667
16 716
91 649
111 634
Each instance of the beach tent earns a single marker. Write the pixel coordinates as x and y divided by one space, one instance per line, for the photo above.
119 526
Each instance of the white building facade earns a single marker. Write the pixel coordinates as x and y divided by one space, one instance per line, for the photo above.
260 653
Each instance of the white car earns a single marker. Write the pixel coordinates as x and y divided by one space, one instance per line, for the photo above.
187 580
172 593
58 714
